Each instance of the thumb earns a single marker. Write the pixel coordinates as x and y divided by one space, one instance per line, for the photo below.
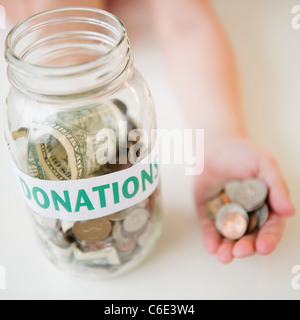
279 197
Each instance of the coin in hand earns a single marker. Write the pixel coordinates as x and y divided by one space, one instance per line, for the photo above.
232 221
92 230
251 194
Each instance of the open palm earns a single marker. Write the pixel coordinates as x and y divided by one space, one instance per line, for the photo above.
239 160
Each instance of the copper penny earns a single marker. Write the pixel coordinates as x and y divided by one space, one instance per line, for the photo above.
234 226
229 210
127 245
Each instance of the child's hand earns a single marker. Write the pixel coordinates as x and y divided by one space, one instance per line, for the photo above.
238 160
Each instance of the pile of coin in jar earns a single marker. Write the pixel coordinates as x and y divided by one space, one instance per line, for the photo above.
239 208
106 243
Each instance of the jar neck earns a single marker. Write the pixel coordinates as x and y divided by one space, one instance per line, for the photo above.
68 54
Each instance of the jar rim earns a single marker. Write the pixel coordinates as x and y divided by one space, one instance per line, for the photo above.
73 69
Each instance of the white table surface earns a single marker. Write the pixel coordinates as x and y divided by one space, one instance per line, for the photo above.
268 52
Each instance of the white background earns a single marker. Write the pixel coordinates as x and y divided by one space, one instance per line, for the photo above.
268 53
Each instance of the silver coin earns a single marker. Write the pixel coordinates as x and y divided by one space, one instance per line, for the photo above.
231 208
251 194
118 233
128 245
263 215
136 220
213 192
126 256
231 188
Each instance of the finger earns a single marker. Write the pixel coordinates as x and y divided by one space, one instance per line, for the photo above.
211 238
225 252
270 235
245 247
279 198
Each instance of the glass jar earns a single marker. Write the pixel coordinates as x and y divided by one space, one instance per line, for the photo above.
81 132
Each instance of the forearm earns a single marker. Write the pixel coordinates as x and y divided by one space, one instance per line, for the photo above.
201 65
18 10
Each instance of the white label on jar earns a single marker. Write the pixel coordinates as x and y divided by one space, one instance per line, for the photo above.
86 199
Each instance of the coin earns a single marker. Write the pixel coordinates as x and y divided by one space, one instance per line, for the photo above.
214 205
213 192
263 215
136 220
92 230
251 194
253 222
127 245
118 233
230 189
234 226
230 209
126 256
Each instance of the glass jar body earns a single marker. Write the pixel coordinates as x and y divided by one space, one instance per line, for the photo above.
83 138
